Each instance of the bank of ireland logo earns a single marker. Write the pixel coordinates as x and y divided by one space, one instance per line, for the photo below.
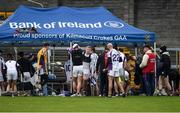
113 24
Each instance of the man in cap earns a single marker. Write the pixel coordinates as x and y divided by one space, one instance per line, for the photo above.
165 62
77 59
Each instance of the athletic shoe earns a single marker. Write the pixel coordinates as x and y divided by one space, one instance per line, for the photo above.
163 92
123 95
120 94
109 96
74 95
159 94
12 95
79 95
116 95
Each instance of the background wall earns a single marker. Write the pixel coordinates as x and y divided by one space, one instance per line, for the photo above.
162 17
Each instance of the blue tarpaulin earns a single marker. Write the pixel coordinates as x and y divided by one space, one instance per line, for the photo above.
69 24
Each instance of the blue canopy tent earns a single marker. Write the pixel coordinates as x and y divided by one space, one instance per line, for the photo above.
69 24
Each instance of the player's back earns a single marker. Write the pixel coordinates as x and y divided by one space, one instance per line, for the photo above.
11 65
115 58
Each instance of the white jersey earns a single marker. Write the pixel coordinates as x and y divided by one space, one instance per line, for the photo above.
11 66
2 65
87 61
68 70
115 58
94 58
123 59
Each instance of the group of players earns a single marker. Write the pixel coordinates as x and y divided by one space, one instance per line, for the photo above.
86 72
85 68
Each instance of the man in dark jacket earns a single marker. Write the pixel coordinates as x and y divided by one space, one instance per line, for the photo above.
101 67
165 67
25 67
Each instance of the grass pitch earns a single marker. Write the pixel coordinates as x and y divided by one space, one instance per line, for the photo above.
90 104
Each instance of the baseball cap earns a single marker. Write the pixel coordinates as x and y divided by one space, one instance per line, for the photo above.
75 45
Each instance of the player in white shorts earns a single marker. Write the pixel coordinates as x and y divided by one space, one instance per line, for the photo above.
94 76
77 58
121 71
94 58
113 69
12 73
87 58
124 71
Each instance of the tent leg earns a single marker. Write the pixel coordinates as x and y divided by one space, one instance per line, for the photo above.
15 51
49 61
71 65
136 51
155 52
53 59
176 59
179 61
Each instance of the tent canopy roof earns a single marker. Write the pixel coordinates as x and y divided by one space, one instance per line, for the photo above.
67 23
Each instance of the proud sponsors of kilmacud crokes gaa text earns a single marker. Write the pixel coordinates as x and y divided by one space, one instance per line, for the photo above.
69 36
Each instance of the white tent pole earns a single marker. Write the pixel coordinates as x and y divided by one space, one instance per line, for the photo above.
71 65
176 59
15 51
155 52
49 60
53 59
136 51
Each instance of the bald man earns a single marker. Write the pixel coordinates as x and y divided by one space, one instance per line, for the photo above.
113 69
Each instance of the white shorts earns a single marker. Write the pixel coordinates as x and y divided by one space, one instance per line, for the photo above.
86 72
12 75
113 73
77 71
1 78
41 71
126 76
27 76
122 72
86 69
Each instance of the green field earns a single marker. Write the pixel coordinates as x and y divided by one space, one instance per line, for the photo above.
90 104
